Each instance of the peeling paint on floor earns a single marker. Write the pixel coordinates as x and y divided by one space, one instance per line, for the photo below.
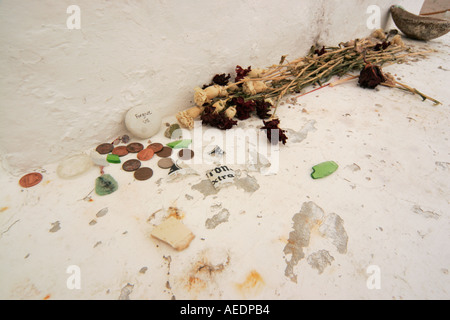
320 260
330 226
310 214
217 219
427 214
333 229
55 226
205 187
126 291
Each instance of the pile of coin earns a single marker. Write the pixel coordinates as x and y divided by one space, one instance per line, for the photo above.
114 153
143 154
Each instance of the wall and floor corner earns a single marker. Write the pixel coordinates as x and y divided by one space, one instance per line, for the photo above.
63 91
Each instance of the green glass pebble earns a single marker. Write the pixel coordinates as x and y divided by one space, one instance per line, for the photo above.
324 169
105 184
180 144
113 158
171 129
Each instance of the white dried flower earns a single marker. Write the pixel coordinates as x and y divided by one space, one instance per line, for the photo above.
219 105
230 112
254 87
200 96
232 87
379 34
397 41
186 118
256 73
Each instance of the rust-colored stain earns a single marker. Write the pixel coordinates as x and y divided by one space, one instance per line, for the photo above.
252 284
195 283
175 212
47 297
4 209
91 200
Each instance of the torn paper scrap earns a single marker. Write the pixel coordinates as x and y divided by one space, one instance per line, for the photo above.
221 176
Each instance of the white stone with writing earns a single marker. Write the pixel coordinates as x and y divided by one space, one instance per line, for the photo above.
142 122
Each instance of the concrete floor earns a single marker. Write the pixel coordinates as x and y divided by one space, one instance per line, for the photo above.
375 229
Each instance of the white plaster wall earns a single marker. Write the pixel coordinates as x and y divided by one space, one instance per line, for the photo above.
64 91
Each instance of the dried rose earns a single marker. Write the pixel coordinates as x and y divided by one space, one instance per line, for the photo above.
241 73
219 105
254 87
243 108
379 34
263 108
186 117
397 41
273 127
382 46
217 120
233 87
200 96
320 52
256 73
230 112
371 76
221 79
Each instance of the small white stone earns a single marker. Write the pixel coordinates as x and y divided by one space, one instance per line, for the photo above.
99 159
74 166
143 122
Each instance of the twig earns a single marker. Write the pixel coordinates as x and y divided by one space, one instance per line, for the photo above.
342 81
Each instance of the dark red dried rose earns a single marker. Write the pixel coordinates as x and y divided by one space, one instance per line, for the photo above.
382 46
243 108
272 127
263 108
320 52
218 120
221 79
241 73
371 76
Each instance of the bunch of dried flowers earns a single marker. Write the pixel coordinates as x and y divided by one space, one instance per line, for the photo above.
258 91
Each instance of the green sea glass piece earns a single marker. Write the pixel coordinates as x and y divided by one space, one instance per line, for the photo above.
180 144
171 129
113 158
324 169
105 184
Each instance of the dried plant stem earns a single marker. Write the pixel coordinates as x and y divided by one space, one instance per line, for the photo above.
292 76
405 87
333 84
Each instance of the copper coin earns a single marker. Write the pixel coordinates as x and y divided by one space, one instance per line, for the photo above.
120 151
135 147
156 147
143 173
30 179
145 154
186 154
131 165
165 152
165 163
105 148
